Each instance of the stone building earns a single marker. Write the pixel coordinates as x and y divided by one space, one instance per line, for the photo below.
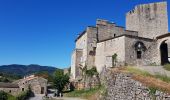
37 85
144 41
10 88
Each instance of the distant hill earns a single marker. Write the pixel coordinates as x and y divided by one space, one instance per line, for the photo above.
23 70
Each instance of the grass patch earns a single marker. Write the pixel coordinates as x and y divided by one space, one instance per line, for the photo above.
164 78
167 67
86 93
137 71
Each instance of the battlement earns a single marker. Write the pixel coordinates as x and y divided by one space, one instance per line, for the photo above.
150 20
143 7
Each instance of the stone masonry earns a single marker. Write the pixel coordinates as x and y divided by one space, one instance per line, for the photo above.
120 86
144 41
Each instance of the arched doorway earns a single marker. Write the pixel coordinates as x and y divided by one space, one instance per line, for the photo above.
164 53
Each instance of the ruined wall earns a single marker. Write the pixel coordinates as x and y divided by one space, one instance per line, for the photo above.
106 49
150 20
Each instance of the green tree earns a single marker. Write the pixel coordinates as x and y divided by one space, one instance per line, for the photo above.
60 80
90 73
114 60
3 95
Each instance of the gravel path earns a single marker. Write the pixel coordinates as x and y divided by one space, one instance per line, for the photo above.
155 70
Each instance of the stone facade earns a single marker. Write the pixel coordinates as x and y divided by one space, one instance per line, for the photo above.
150 20
10 88
143 42
37 85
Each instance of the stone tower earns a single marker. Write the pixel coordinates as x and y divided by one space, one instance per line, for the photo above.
150 20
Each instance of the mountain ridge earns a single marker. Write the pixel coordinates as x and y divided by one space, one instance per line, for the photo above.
22 70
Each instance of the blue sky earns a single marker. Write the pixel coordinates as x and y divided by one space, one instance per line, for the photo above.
43 31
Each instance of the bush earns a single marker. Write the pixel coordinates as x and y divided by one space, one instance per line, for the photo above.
3 96
25 95
167 67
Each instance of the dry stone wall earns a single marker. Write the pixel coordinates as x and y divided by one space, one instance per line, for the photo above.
121 86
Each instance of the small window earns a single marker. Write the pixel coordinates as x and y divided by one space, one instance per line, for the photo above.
22 89
114 35
9 91
139 54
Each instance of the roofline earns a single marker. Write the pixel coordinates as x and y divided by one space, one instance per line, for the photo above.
163 36
127 36
81 34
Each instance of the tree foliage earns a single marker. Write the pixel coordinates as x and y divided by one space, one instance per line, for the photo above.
3 95
114 60
91 72
46 75
60 80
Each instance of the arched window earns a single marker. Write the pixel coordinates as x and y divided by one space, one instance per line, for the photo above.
139 47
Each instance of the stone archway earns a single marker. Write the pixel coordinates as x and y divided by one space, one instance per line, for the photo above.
164 53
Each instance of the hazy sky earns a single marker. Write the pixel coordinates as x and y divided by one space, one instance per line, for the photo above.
43 31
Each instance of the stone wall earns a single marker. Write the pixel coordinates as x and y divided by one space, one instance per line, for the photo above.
150 20
91 46
12 91
120 86
108 30
38 85
106 49
131 53
75 61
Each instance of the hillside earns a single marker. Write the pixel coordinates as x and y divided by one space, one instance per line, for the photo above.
22 70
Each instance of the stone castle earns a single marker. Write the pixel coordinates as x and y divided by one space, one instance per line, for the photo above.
144 41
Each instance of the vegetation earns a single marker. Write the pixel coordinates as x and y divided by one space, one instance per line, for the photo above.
167 67
6 96
60 80
22 70
92 72
24 95
46 75
86 93
4 77
114 60
3 95
133 70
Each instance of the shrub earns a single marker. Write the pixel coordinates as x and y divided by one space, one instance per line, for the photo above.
24 95
3 95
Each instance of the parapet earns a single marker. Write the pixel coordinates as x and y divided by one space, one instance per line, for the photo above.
142 6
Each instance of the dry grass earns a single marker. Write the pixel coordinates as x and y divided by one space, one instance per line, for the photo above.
159 83
153 82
